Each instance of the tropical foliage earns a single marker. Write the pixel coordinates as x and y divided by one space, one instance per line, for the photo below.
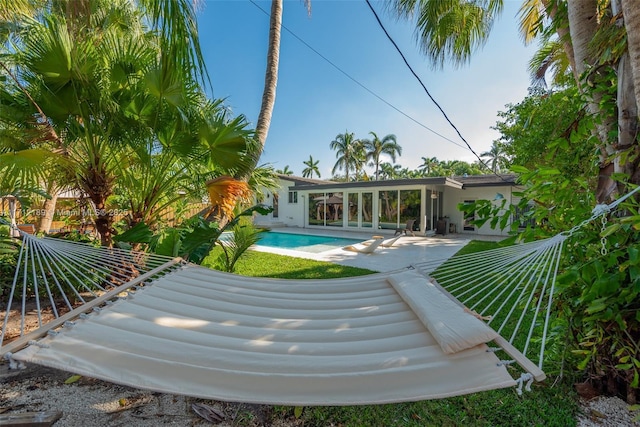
110 91
377 147
349 152
193 239
578 149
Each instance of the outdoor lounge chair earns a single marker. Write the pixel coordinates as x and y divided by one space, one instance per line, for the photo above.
386 243
407 228
364 247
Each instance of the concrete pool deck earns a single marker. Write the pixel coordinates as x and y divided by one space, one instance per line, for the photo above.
406 251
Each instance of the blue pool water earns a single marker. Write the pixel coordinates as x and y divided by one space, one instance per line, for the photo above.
303 242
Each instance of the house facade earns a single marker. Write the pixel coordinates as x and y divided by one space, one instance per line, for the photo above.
432 203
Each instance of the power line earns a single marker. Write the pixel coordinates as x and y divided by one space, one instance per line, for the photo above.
353 79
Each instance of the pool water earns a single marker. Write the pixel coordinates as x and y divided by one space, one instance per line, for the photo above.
303 242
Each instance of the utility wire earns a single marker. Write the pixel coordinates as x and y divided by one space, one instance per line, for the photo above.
366 88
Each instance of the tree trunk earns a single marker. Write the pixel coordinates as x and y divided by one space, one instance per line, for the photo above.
631 13
48 210
98 185
583 24
271 74
563 36
625 161
104 221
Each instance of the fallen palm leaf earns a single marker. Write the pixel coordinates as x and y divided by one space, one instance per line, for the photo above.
207 412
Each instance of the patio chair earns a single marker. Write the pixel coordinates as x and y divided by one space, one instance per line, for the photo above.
407 228
386 243
365 247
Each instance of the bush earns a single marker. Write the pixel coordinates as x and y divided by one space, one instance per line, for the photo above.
597 301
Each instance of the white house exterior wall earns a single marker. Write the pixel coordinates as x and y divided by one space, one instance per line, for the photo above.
453 197
295 214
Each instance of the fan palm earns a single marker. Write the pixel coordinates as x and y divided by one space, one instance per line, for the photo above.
109 85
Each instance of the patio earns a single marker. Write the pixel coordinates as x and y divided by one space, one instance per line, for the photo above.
406 251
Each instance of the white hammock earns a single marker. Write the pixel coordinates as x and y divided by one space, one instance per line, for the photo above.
382 338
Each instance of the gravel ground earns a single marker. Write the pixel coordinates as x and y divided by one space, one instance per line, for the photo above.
607 412
88 403
93 403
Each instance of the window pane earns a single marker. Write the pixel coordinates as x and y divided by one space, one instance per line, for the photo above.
410 207
352 211
275 205
316 209
367 210
335 211
388 209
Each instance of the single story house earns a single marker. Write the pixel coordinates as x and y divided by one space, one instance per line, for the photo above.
432 203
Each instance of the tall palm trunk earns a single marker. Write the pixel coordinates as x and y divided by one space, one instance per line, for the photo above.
583 24
98 185
627 112
48 211
271 74
631 13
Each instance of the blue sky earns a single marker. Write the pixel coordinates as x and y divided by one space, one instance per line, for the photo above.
315 102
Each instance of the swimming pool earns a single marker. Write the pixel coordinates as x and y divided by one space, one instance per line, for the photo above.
303 242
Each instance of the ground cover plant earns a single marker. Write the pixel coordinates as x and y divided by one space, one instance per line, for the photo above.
549 404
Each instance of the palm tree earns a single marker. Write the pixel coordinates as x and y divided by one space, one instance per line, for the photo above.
346 147
631 14
572 22
428 165
285 171
389 171
496 157
376 147
154 176
271 73
359 159
311 168
449 31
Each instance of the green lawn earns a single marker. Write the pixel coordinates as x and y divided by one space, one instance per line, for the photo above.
544 406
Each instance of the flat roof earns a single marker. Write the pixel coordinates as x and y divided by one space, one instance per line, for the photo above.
459 182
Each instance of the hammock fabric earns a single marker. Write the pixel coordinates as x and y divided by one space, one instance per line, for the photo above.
384 338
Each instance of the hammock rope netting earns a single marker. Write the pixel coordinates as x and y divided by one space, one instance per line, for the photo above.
160 323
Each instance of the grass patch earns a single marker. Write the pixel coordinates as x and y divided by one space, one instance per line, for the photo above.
481 245
544 406
264 264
